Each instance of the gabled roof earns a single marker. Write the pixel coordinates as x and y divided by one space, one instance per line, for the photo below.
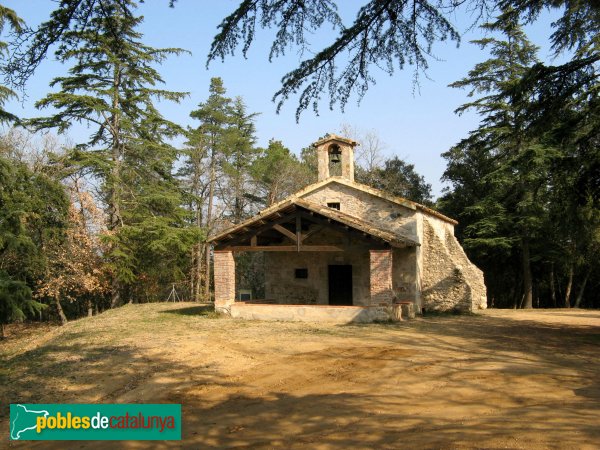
296 199
377 193
394 238
364 188
335 137
291 203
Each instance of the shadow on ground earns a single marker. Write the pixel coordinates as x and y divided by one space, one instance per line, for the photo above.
202 310
438 382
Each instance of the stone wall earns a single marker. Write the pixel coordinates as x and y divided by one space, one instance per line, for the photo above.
404 273
306 313
449 280
282 286
387 215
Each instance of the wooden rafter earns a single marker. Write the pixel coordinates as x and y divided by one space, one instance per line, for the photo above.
298 232
284 248
285 232
288 222
263 227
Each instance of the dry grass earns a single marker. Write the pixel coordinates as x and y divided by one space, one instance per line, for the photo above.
503 379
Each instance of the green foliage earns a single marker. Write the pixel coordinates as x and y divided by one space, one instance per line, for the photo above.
223 147
505 212
33 211
7 16
33 214
277 173
15 301
216 172
385 34
112 87
524 180
240 153
214 113
398 178
209 139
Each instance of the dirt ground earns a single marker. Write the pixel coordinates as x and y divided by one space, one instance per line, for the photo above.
500 379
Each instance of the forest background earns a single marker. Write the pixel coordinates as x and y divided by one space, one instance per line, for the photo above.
106 199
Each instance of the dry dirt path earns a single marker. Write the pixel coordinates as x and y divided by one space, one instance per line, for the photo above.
502 379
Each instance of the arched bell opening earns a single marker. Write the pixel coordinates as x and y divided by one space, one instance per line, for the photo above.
334 153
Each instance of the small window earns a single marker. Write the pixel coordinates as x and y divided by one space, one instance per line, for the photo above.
301 273
245 295
334 205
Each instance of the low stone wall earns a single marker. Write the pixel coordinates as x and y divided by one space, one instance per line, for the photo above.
310 313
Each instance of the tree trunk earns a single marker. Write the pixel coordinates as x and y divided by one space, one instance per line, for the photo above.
193 274
207 272
114 199
196 205
527 283
60 312
569 287
552 289
517 301
211 191
199 255
200 271
115 293
90 308
580 295
2 331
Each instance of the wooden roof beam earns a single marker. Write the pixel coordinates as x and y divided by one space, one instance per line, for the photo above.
283 248
265 226
285 232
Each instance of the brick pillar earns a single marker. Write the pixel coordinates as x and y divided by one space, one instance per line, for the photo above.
224 270
381 276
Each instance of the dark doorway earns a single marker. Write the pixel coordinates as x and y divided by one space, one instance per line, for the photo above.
340 285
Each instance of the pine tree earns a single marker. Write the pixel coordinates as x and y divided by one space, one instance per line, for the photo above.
112 88
277 174
33 210
398 178
15 302
10 17
211 134
385 34
389 35
511 201
240 153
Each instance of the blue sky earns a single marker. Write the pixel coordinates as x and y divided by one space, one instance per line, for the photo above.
417 127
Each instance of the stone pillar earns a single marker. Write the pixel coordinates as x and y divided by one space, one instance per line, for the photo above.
347 162
224 270
322 163
381 277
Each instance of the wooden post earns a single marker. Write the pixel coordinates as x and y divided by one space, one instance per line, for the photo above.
298 232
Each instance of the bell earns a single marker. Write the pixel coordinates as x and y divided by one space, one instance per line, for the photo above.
335 158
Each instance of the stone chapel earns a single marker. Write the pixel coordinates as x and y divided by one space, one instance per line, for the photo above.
342 251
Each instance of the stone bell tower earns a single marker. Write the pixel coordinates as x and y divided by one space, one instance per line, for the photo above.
333 149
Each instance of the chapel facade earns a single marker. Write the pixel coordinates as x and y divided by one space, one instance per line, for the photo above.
343 251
